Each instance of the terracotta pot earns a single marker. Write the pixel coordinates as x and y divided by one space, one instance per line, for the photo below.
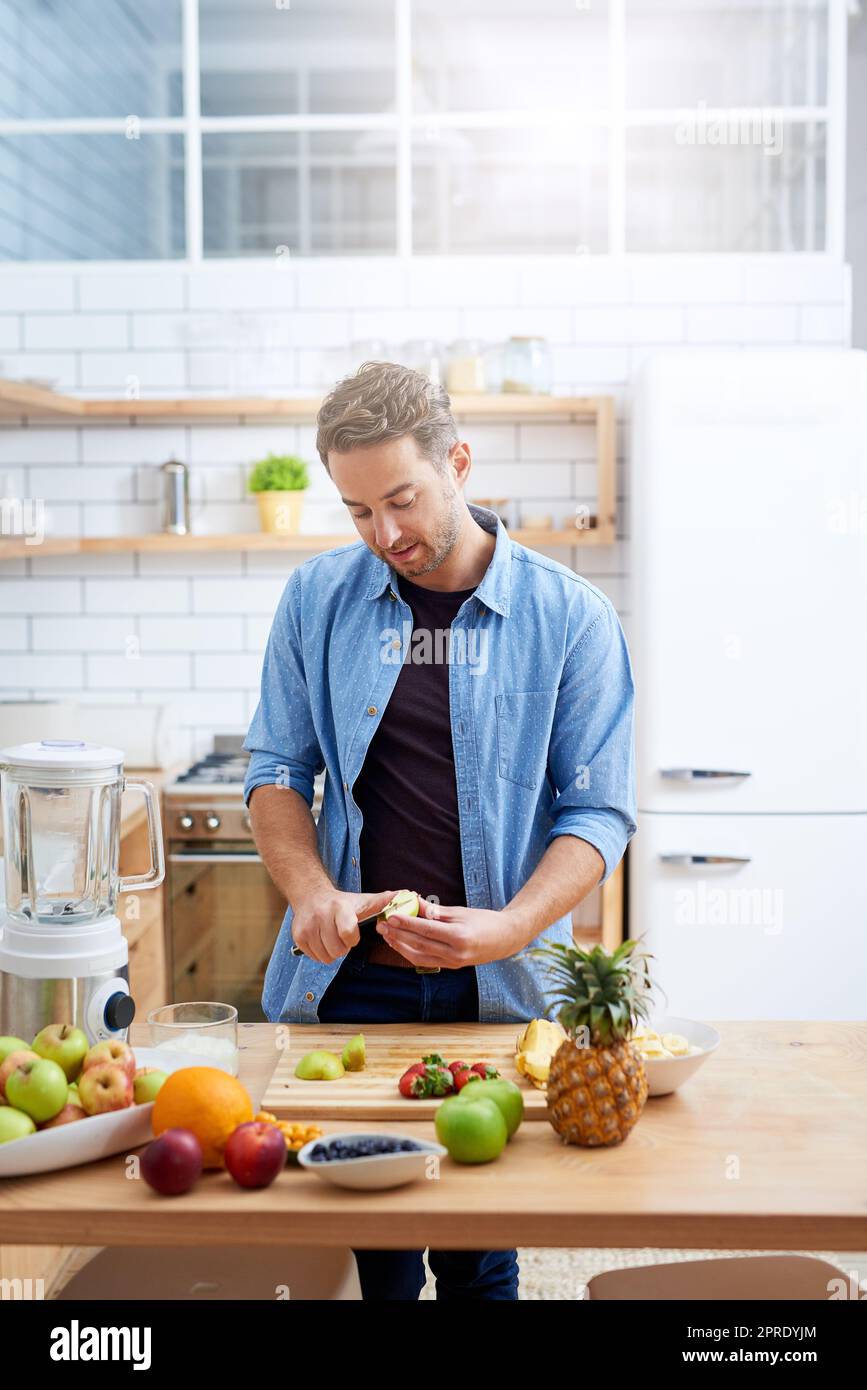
280 511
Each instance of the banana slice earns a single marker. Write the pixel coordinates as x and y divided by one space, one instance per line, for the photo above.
676 1044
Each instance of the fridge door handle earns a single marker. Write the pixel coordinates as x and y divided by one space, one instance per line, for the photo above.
697 774
687 860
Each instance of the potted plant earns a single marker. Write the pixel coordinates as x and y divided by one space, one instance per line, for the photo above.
279 482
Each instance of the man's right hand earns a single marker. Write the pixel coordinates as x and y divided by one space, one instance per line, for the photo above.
325 926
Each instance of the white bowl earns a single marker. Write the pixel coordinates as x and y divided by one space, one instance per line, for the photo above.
667 1074
94 1137
379 1170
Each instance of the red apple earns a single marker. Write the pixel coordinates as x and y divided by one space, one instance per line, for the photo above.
255 1153
172 1163
105 1087
113 1051
67 1115
14 1060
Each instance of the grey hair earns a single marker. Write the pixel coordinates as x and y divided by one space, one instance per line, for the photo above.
383 400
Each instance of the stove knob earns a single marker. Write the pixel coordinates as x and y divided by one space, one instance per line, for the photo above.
185 822
212 822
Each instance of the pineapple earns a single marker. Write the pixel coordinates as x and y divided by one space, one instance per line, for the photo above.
597 1085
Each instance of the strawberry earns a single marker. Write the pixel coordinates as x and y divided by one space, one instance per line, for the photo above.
413 1084
416 1067
434 1059
455 1067
464 1076
485 1070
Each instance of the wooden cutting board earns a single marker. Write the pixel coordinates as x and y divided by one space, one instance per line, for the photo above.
372 1094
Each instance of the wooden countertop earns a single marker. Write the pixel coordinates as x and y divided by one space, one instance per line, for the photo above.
763 1149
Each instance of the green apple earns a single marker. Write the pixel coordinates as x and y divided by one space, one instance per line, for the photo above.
64 1044
14 1124
8 1045
146 1083
404 901
319 1066
504 1093
472 1133
38 1088
73 1098
13 1060
353 1053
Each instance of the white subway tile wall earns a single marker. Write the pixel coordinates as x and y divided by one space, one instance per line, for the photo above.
190 630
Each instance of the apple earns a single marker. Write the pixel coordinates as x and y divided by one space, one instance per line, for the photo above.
405 902
38 1088
473 1132
353 1053
65 1117
64 1044
146 1083
172 1163
14 1124
505 1095
319 1066
255 1153
8 1045
13 1060
73 1097
105 1087
113 1051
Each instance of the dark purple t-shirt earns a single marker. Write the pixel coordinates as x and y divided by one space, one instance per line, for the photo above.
406 789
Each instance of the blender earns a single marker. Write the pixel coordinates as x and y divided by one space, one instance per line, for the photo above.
63 955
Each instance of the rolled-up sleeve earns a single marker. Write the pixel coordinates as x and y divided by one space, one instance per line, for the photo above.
282 743
591 758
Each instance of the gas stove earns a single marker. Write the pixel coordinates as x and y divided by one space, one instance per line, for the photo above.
206 802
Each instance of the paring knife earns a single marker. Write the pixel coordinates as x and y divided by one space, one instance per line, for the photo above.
367 924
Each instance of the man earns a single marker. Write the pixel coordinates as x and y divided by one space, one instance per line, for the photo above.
472 704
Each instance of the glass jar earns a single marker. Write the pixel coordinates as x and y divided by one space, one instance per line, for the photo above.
527 366
423 355
466 367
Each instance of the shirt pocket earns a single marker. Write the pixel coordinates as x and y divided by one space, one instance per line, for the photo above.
524 723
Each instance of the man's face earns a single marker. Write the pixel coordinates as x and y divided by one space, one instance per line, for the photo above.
404 510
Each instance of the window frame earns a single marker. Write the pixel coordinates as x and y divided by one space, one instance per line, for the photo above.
615 117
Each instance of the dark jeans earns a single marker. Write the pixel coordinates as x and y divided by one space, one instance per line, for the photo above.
363 992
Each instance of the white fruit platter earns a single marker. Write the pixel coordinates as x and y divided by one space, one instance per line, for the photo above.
94 1137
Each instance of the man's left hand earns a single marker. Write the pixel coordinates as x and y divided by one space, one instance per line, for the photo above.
451 937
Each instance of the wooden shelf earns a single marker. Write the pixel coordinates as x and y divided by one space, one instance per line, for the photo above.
256 540
20 403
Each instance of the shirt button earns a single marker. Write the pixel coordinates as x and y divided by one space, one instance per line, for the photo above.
309 997
392 596
483 610
371 709
346 786
354 861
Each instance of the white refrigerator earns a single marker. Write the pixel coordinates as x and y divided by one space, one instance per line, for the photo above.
748 872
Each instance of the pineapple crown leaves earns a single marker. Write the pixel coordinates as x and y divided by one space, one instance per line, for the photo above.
605 992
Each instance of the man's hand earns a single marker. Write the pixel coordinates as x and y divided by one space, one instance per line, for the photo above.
326 925
454 936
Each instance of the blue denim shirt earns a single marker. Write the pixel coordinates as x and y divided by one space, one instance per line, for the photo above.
541 700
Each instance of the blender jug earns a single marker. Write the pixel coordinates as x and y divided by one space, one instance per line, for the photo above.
61 829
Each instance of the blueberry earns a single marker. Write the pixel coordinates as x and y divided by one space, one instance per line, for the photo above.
408 1146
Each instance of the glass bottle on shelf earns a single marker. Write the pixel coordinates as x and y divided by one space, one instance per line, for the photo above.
466 367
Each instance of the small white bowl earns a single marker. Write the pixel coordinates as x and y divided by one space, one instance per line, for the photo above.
379 1170
667 1074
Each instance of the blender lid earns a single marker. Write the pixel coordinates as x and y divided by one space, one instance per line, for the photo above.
61 752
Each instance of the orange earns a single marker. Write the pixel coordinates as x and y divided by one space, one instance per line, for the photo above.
206 1100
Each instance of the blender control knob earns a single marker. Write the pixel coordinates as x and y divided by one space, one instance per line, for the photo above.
212 822
185 822
119 1012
